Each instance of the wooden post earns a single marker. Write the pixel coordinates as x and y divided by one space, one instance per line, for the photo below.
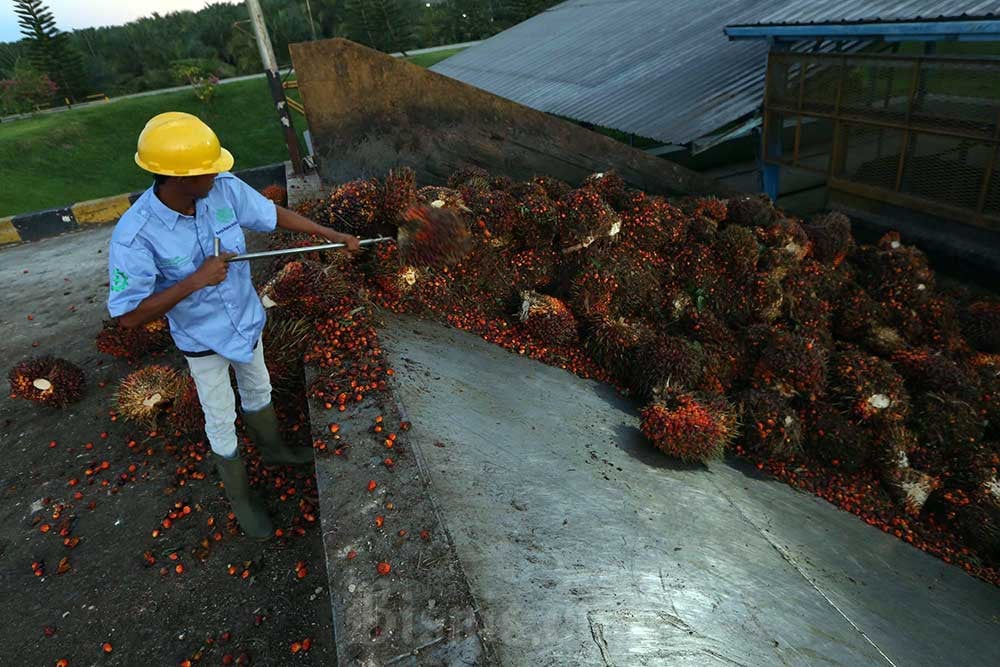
274 83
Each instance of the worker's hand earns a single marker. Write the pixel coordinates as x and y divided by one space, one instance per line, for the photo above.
353 243
213 271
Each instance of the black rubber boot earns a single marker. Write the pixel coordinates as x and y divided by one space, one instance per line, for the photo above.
263 429
247 505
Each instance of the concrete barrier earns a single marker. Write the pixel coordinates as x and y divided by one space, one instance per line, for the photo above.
80 215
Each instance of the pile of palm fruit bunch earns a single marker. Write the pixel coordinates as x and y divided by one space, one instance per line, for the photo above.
135 343
841 368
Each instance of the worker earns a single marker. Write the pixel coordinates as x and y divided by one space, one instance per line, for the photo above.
162 262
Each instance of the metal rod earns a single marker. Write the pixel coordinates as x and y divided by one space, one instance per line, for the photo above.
218 246
295 251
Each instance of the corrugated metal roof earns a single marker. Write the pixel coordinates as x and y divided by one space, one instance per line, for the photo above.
656 68
804 12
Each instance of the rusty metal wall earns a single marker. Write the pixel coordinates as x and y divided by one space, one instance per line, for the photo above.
921 132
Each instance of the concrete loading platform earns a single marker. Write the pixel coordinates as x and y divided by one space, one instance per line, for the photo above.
570 541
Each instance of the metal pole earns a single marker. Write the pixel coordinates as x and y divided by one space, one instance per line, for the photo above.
298 251
274 83
312 26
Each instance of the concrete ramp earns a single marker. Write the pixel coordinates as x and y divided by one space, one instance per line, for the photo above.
583 546
369 112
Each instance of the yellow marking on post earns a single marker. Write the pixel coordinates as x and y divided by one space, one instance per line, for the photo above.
100 211
8 233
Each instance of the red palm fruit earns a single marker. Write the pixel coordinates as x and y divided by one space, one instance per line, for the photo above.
146 393
690 427
431 236
47 380
831 238
185 413
788 237
536 221
132 344
868 387
399 192
771 425
667 361
980 322
792 365
353 207
755 298
276 193
909 487
987 369
548 319
504 183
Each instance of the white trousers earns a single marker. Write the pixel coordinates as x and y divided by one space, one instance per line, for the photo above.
215 391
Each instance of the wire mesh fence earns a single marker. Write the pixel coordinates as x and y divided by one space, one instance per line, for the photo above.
921 132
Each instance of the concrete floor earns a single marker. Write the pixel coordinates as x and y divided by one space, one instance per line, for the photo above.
582 545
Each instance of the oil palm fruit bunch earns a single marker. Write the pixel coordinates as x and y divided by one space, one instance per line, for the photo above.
285 342
869 388
831 238
792 365
834 438
750 211
145 394
399 192
667 361
430 236
980 322
276 193
117 341
771 424
185 413
353 207
548 319
472 177
304 289
583 218
610 186
691 427
439 197
47 380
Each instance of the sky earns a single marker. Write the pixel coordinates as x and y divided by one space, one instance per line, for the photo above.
70 14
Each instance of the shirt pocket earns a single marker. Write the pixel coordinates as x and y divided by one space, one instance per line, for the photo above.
174 268
232 239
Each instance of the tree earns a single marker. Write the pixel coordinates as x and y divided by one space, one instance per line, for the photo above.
50 51
386 25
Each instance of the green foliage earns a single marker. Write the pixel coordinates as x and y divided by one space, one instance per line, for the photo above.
25 91
143 54
386 25
49 50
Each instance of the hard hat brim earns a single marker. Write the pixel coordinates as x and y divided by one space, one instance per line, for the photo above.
224 162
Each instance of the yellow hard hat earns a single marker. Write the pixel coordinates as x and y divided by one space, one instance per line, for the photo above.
180 144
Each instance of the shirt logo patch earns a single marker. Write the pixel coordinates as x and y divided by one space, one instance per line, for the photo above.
119 281
224 215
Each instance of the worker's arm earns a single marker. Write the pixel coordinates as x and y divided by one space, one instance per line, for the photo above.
211 272
294 222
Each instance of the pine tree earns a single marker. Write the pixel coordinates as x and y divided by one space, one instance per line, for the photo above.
386 25
49 49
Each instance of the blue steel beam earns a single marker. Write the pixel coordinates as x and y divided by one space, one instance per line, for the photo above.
896 31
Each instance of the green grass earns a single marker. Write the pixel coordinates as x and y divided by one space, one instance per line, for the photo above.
61 158
431 59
